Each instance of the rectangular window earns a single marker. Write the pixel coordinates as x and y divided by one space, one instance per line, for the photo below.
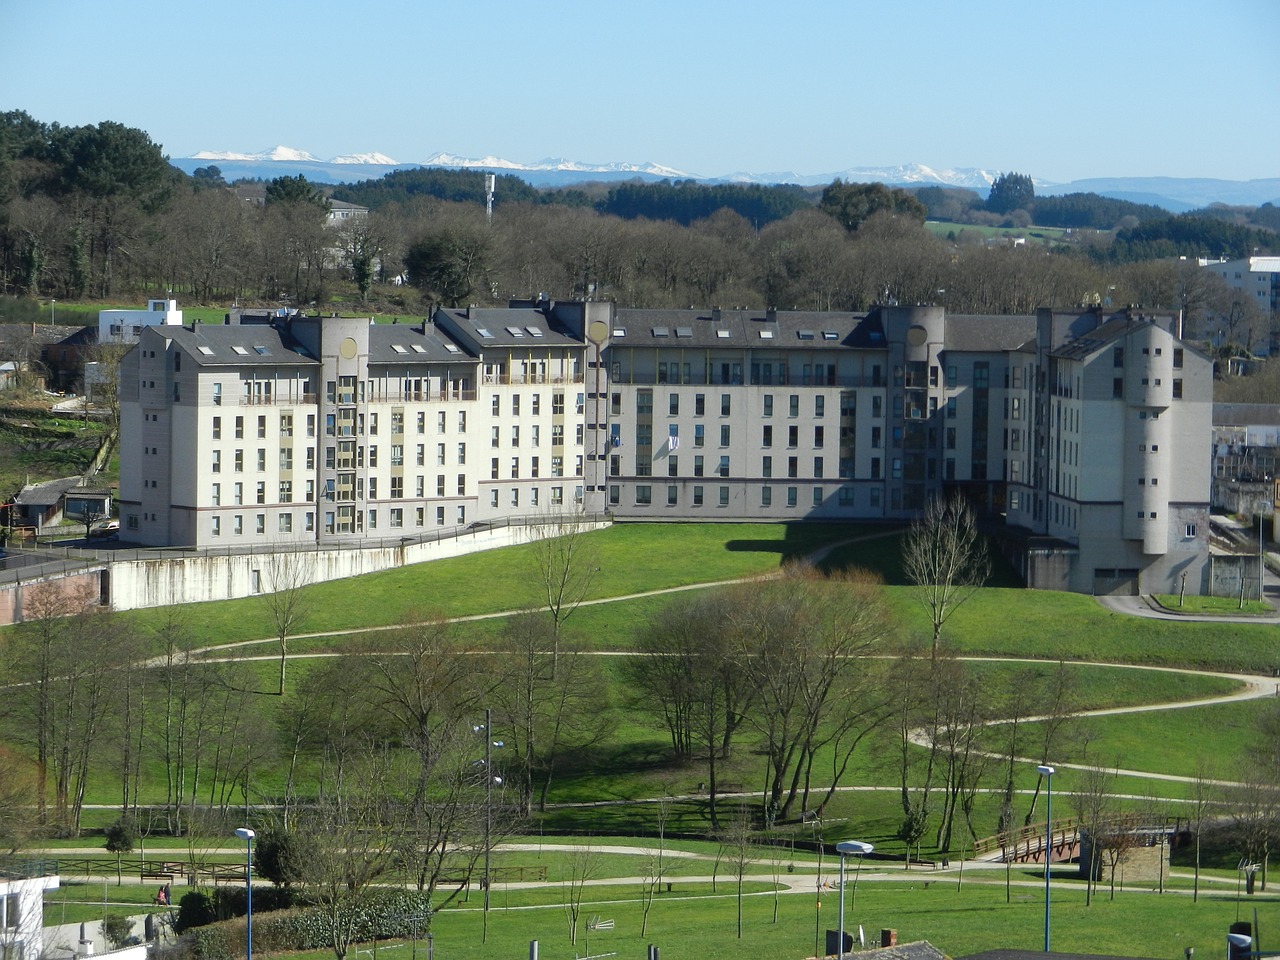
817 496
724 496
644 495
766 496
768 404
819 405
818 437
672 495
793 405
766 439
262 428
766 467
217 461
697 496
725 404
724 435
673 405
217 428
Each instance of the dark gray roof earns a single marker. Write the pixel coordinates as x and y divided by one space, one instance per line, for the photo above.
1038 955
1246 415
211 345
402 343
45 334
987 333
916 950
1095 340
524 327
46 494
757 329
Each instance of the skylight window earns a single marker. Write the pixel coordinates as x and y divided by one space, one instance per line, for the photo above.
766 334
484 333
661 332
723 334
418 348
240 350
515 332
804 334
398 349
451 347
830 335
260 350
535 331
619 332
207 351
684 332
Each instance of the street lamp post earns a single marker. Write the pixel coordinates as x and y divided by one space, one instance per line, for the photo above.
1047 772
844 848
52 319
247 835
489 780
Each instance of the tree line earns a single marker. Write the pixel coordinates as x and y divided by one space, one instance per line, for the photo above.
96 212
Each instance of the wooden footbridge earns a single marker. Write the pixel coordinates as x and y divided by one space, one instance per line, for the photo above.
1030 845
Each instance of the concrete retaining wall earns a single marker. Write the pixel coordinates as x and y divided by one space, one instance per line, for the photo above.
199 577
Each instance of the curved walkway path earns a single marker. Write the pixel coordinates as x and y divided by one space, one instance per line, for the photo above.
1253 686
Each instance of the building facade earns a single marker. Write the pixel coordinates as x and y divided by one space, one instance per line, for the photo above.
1060 428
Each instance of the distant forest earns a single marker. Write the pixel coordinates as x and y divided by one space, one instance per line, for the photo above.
97 213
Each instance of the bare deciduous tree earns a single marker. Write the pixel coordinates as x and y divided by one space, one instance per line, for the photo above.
566 561
286 579
582 867
946 558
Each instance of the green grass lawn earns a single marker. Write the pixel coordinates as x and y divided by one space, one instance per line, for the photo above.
1219 606
633 558
957 919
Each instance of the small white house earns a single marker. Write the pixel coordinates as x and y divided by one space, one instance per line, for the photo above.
22 887
125 326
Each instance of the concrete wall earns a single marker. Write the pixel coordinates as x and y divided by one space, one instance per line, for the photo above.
13 596
1226 573
199 577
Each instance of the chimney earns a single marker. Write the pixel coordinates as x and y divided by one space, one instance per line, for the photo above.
715 314
771 315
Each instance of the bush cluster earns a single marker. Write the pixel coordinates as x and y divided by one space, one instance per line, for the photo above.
378 915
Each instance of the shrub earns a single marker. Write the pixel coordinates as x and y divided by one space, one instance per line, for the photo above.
117 930
379 915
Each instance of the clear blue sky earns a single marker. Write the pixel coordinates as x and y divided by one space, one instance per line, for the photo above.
1058 90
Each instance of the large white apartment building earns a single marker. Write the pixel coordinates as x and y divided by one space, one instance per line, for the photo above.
1061 428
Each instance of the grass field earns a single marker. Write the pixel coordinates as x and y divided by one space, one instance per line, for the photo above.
693 920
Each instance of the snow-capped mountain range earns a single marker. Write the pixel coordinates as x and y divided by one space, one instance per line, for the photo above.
1173 193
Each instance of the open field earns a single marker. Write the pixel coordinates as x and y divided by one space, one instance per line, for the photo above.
634 763
1032 234
957 918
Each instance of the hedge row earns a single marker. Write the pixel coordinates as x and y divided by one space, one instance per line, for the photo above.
375 915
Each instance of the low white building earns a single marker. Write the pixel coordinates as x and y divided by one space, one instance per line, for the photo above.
22 887
125 326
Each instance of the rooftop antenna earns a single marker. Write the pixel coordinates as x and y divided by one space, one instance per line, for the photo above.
489 182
